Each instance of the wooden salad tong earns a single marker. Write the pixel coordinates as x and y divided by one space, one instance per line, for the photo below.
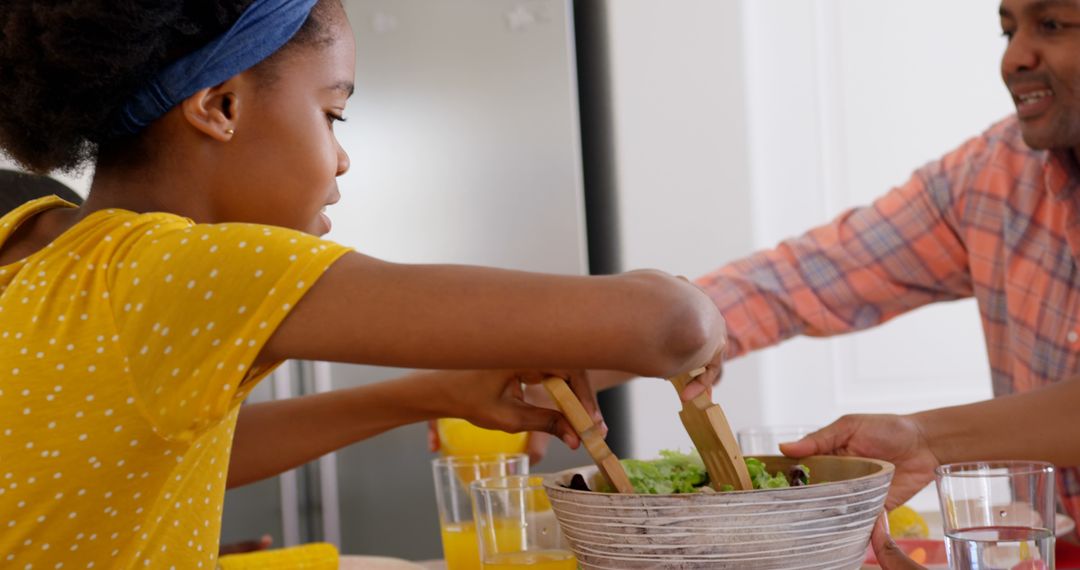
703 419
709 430
591 434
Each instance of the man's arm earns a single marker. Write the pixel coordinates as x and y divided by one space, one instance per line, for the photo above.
1037 425
869 265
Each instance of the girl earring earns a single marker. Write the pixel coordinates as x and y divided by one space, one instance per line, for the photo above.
230 132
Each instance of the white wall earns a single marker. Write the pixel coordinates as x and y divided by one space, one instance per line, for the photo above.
803 109
682 171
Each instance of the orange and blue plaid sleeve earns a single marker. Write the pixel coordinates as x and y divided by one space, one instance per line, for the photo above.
870 264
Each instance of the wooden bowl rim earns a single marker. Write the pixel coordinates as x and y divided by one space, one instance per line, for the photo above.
551 480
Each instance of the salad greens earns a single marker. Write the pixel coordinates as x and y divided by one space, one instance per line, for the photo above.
677 472
674 472
761 478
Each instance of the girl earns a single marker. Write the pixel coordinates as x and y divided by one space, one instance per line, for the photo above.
132 327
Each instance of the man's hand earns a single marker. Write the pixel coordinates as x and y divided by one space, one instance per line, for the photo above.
889 555
897 439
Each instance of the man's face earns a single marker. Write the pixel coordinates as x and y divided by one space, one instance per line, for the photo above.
1041 68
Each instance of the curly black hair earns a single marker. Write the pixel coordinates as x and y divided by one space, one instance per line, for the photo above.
67 67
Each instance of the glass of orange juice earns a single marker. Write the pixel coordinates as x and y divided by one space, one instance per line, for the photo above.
459 437
516 527
452 478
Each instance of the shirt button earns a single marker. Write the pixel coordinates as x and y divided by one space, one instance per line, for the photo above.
1072 336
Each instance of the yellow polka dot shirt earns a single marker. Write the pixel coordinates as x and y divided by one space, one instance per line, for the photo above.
126 347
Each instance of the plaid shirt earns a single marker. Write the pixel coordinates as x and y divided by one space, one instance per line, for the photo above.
993 219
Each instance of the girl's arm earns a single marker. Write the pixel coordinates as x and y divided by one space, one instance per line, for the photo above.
364 310
273 437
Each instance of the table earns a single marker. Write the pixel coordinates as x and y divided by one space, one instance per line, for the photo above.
349 562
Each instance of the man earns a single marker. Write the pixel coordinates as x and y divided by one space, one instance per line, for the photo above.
997 219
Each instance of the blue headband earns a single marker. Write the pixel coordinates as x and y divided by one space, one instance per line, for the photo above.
262 29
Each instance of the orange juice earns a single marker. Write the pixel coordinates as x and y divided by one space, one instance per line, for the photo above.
536 560
537 501
459 437
460 548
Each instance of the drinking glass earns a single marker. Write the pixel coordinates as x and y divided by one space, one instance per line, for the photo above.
453 475
998 514
766 440
516 526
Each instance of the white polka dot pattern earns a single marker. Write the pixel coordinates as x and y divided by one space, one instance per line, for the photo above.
124 355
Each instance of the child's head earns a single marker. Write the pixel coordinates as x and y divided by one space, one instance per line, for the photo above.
259 146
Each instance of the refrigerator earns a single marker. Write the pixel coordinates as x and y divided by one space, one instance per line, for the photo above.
465 139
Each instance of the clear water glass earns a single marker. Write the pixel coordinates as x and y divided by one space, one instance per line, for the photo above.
998 514
516 526
766 440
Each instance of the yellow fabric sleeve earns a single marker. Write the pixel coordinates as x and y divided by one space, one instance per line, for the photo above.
194 305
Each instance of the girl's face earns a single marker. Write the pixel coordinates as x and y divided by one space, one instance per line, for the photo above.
286 154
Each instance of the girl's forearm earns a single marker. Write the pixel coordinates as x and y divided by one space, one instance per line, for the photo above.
457 317
273 437
1037 425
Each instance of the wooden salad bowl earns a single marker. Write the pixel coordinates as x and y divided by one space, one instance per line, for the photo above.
825 525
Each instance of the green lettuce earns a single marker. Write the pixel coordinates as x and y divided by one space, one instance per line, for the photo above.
676 472
761 478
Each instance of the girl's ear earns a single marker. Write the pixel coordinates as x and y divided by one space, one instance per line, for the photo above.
213 111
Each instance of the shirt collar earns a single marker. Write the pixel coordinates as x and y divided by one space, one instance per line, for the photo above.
1061 173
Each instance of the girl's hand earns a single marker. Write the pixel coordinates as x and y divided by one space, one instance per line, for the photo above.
714 369
495 399
536 444
705 382
897 439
